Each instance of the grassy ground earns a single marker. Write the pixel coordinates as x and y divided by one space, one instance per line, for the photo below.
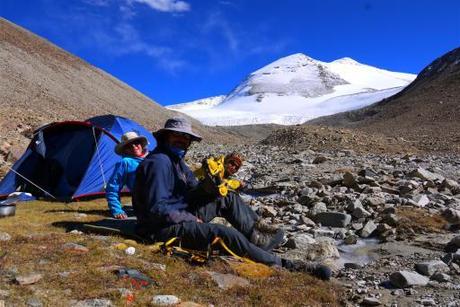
39 230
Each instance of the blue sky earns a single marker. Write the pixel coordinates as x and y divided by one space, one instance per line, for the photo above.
175 51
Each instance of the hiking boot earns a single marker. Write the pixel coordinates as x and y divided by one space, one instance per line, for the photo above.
262 226
267 241
316 269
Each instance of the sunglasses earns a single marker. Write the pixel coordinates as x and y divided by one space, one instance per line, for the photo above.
182 135
135 143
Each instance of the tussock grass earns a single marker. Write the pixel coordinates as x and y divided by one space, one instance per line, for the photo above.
420 220
39 231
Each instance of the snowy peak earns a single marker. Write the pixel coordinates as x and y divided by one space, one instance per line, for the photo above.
296 74
347 61
200 104
297 88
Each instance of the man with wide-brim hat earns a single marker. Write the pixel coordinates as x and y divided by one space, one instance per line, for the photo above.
133 149
168 202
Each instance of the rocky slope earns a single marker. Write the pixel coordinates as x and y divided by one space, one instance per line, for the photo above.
41 83
387 223
426 113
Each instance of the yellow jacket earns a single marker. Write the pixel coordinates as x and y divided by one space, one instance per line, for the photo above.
215 168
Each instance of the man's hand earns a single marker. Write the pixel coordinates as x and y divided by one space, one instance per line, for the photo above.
198 220
121 216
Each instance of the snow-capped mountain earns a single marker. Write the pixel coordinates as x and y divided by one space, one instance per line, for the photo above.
295 89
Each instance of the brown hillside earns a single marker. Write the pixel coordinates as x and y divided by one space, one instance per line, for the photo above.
427 112
41 83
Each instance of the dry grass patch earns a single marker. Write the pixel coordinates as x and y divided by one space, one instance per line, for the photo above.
40 229
419 221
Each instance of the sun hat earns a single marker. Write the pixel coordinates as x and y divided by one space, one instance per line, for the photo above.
234 156
128 138
179 124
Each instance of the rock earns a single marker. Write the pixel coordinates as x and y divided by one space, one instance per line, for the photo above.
375 201
452 185
453 245
333 219
420 200
452 216
428 268
228 281
368 229
367 172
303 241
4 293
165 300
75 248
360 212
28 279
426 175
428 302
34 302
317 208
319 160
95 302
390 219
441 277
317 233
130 250
404 279
349 180
350 239
306 221
4 236
322 250
76 232
268 211
353 266
370 301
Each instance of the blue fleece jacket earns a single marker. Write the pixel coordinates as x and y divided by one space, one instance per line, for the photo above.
160 193
124 174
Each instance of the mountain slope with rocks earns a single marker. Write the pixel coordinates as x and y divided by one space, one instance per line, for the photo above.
426 113
41 83
296 88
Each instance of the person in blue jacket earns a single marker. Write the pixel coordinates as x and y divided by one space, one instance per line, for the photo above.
168 203
133 149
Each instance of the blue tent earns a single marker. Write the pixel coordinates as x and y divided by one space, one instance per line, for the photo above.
70 160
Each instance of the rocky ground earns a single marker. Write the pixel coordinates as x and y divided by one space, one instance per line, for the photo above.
382 221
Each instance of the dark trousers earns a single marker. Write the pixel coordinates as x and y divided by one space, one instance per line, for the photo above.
198 235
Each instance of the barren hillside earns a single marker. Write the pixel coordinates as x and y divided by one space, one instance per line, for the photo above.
41 83
427 112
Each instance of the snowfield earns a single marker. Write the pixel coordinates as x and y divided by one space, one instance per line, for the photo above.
295 89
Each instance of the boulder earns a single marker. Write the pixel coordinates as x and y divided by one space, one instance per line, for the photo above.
425 175
428 268
28 279
333 219
404 279
368 229
165 300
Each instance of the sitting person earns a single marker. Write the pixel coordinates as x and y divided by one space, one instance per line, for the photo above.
215 174
133 149
166 206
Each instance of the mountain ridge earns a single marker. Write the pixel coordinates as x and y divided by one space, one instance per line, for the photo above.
425 112
296 88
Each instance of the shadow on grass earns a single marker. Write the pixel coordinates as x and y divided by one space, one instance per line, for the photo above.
128 210
107 227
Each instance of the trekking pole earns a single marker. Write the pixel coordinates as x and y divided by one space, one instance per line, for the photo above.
36 185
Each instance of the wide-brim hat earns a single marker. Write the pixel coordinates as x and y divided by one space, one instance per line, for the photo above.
128 138
179 124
